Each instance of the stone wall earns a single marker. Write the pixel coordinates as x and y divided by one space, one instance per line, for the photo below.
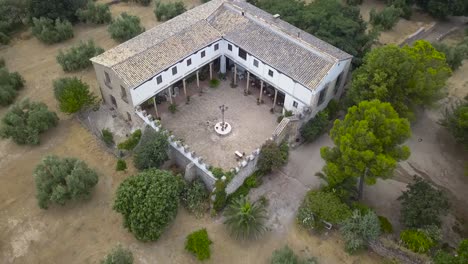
244 169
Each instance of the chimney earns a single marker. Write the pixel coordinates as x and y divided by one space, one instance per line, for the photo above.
275 16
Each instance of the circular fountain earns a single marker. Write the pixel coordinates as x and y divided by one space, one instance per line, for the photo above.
223 128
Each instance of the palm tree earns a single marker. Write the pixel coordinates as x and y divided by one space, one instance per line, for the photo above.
245 219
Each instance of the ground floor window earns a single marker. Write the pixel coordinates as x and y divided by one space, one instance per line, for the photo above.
322 95
113 101
129 117
337 83
294 104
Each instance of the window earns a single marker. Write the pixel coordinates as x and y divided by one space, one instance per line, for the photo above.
159 79
189 62
107 80
129 117
294 104
270 72
255 63
174 70
337 83
203 53
229 47
242 54
123 94
216 46
322 95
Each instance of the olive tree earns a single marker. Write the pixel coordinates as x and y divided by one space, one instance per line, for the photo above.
125 27
26 120
152 151
360 229
10 83
59 180
148 202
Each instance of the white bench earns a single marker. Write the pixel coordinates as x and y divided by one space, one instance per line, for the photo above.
238 154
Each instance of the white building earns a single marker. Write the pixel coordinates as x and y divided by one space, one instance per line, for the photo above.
303 71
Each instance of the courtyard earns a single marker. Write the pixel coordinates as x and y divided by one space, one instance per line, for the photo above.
194 122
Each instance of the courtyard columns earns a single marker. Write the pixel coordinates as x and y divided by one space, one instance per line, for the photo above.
223 64
185 87
235 74
211 70
198 80
261 91
274 100
155 107
248 83
170 94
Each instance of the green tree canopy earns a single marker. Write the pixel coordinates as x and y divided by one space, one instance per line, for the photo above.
272 156
456 121
245 219
461 257
166 11
125 27
330 20
59 180
10 83
422 205
26 120
405 77
367 142
53 9
73 95
95 13
152 150
148 202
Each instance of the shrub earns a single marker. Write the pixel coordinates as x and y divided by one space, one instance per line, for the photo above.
360 229
214 83
220 196
73 95
194 197
253 181
148 202
152 150
272 157
416 240
385 225
78 57
198 243
460 258
217 172
245 219
456 121
49 32
59 180
354 2
26 120
166 11
315 127
125 27
286 256
10 83
422 205
131 142
141 2
387 18
321 206
332 109
12 15
4 38
454 55
107 137
95 13
53 9
121 165
119 255
172 108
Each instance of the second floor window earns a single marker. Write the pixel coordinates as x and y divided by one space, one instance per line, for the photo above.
216 46
159 79
203 53
242 54
189 62
174 70
322 95
107 79
255 63
270 72
229 47
124 94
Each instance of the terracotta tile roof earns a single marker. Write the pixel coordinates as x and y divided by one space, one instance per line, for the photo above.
304 58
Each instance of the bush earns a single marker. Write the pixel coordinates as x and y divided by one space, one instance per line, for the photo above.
272 157
385 19
119 255
53 9
49 32
194 197
245 219
217 172
321 206
152 150
131 142
107 137
214 83
287 256
121 165
385 225
198 243
141 2
332 109
59 180
95 13
360 229
460 258
10 83
456 121
4 38
73 95
454 55
148 202
416 240
172 108
78 57
12 15
220 196
125 27
26 120
166 11
422 205
253 181
315 127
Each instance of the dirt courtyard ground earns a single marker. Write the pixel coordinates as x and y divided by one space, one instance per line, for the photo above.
252 124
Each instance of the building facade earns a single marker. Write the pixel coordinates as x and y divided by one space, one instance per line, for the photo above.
241 40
